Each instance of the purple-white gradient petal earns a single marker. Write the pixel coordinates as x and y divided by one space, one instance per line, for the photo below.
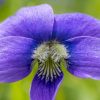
84 58
15 58
71 25
40 90
31 22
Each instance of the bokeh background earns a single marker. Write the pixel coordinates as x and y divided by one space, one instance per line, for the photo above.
72 88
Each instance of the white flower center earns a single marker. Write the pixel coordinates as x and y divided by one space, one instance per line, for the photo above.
49 55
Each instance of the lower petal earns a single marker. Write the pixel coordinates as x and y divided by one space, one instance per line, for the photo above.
15 58
40 90
84 60
85 72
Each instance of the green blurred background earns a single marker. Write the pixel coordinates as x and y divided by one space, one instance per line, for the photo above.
72 88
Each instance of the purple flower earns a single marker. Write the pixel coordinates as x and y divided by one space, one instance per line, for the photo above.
36 34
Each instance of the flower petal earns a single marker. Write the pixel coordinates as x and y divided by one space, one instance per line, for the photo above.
40 90
32 22
68 26
15 58
84 58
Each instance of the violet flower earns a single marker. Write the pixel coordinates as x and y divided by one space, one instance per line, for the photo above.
37 34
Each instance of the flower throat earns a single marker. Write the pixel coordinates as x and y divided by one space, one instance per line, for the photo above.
49 56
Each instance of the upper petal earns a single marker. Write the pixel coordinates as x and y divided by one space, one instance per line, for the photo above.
32 22
84 60
15 58
68 26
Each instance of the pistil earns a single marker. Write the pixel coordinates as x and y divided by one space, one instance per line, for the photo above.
49 56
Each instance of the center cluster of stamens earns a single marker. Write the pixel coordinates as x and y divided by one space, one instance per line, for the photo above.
49 56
